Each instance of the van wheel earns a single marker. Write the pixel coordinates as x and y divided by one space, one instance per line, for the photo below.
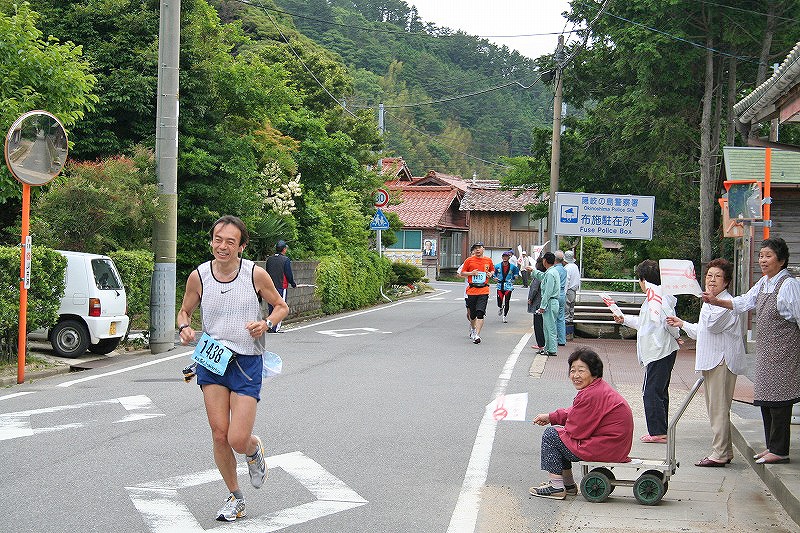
104 346
69 338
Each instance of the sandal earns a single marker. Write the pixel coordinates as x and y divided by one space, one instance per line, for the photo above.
660 439
760 455
772 459
707 461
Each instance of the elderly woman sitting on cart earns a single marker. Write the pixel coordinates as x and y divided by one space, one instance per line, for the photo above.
598 427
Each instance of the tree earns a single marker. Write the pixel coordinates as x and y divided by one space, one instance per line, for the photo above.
100 207
38 73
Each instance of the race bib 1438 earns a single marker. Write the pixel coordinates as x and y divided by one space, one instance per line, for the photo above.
212 355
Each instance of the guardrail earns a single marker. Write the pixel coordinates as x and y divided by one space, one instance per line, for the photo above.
590 308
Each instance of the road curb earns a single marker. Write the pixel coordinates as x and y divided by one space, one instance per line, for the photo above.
743 438
33 376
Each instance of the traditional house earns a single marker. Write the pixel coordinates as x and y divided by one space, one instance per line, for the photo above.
444 214
434 230
498 217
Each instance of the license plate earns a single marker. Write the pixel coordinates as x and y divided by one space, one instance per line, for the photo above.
112 329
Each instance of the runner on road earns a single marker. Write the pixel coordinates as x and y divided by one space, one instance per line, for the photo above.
477 269
229 290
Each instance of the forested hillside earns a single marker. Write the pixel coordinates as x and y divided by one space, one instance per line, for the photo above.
278 104
453 102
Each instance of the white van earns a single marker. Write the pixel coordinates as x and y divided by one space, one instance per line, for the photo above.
93 312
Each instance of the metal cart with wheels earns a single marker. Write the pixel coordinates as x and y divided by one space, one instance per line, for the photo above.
651 475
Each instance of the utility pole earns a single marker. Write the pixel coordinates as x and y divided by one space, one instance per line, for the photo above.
165 234
555 155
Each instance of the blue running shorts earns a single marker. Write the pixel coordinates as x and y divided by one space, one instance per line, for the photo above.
236 378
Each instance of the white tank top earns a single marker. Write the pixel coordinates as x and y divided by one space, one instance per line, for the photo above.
226 307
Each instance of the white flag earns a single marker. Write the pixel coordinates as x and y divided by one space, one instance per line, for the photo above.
609 301
678 277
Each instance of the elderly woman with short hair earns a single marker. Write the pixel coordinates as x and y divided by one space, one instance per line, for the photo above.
598 427
719 357
776 376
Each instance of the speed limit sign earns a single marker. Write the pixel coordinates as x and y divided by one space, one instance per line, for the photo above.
381 198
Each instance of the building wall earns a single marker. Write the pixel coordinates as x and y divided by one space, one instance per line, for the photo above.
494 230
785 215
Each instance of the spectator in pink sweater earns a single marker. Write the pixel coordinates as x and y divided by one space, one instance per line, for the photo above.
598 427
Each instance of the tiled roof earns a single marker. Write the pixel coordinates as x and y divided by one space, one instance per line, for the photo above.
423 206
764 96
487 195
396 167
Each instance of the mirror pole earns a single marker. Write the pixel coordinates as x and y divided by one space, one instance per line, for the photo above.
23 291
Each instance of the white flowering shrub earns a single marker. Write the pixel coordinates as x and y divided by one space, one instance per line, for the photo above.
276 192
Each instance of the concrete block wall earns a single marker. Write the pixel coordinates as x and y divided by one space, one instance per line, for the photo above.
302 300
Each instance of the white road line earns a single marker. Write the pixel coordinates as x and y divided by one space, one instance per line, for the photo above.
163 510
465 515
16 394
315 324
127 369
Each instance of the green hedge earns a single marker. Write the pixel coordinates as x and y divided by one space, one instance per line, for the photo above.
136 269
406 273
44 295
351 281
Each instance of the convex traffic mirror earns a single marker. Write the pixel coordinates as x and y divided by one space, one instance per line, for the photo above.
36 148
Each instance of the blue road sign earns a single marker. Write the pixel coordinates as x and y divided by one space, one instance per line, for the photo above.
379 221
611 216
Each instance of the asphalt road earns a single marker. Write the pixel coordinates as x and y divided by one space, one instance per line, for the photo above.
378 423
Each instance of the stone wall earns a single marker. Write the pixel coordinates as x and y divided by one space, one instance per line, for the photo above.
301 299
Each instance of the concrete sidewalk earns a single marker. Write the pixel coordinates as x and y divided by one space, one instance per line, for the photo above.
623 372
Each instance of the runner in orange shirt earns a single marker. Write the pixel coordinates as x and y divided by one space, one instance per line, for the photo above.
477 269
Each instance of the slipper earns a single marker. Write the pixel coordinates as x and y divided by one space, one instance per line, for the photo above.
660 439
772 459
760 455
707 461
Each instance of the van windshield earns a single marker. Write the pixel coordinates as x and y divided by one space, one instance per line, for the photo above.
105 277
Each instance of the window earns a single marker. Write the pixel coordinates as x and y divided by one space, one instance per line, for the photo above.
105 277
450 250
525 221
407 240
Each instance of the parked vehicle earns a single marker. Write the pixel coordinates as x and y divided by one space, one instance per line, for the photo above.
93 312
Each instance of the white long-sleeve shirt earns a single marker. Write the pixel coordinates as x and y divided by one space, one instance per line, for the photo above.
654 339
719 336
788 297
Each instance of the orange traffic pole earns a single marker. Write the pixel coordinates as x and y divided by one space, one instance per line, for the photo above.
767 196
23 292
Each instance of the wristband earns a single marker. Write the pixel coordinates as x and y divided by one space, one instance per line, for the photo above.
182 327
269 323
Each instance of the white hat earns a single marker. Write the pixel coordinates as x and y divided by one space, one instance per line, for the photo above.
569 256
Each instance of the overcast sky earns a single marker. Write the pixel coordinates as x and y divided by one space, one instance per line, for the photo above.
501 17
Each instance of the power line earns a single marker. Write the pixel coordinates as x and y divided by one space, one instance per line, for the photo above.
789 19
687 41
404 32
466 95
300 59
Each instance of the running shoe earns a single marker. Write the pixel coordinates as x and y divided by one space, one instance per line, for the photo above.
233 509
476 339
257 466
472 333
505 320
